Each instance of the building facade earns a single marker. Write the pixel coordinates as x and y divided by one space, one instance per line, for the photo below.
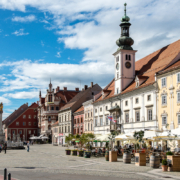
50 106
79 121
168 102
88 116
22 122
66 117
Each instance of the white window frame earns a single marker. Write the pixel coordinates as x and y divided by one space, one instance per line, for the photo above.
178 118
163 82
17 123
107 121
178 98
137 112
101 121
164 117
149 114
95 122
24 116
126 115
164 103
178 77
149 97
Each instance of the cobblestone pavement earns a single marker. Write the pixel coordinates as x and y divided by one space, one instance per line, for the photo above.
51 162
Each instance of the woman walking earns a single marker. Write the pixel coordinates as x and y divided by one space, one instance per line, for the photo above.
5 148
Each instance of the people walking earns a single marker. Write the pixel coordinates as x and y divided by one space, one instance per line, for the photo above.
5 148
28 146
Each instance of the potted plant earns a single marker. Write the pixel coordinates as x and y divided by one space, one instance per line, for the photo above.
164 165
169 153
74 152
68 140
80 153
85 139
107 152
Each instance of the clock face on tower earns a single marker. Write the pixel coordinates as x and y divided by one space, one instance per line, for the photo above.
117 66
128 65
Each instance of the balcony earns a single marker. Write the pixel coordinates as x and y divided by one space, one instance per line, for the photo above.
50 112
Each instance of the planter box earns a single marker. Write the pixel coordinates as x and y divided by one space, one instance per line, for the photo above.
140 159
74 152
175 161
80 153
87 154
68 152
112 156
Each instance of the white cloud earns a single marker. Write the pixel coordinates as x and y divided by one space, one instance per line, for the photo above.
58 55
5 100
20 33
29 18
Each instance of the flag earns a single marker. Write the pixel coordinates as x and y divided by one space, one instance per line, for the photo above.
111 119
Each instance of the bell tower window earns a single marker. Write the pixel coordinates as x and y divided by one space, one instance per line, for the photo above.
50 98
117 75
128 57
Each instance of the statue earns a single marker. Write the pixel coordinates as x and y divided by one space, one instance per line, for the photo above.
14 137
18 137
23 137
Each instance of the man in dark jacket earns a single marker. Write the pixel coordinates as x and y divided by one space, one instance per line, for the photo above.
5 148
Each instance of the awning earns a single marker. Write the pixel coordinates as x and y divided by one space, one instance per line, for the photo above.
175 132
102 138
127 136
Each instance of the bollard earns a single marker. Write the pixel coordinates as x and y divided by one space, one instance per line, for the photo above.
9 176
5 174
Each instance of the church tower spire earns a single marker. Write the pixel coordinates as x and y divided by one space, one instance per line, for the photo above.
125 42
124 56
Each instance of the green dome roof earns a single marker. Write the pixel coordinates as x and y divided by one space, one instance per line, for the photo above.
125 19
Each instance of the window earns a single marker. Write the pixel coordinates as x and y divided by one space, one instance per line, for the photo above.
164 120
24 123
50 98
57 108
178 78
62 129
91 127
92 93
95 122
34 131
29 116
91 114
178 97
65 129
178 118
137 115
65 117
100 109
107 120
117 59
34 123
137 100
101 121
164 100
24 116
117 90
29 123
149 114
106 108
29 131
149 97
68 128
34 116
95 110
128 57
126 103
117 75
13 131
88 115
17 123
60 119
47 108
20 132
88 126
49 118
52 108
163 82
127 117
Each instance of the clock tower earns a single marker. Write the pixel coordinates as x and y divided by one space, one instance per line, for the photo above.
124 57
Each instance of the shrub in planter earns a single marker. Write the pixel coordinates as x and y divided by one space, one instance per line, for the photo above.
169 153
68 151
164 164
74 152
87 154
80 153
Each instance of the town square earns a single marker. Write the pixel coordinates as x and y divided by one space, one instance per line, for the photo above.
89 89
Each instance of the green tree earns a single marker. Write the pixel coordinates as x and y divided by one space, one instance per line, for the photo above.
68 139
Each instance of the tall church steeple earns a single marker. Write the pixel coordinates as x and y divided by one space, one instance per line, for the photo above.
50 86
124 57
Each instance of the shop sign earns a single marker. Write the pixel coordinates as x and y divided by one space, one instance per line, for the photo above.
60 134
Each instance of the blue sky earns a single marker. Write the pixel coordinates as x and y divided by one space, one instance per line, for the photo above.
73 40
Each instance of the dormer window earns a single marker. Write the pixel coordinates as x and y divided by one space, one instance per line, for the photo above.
50 98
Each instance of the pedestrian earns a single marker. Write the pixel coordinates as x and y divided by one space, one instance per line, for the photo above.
5 148
0 148
28 146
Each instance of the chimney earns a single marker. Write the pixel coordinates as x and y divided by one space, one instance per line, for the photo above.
65 88
76 89
91 84
85 87
57 89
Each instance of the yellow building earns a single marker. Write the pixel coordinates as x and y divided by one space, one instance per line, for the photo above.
168 97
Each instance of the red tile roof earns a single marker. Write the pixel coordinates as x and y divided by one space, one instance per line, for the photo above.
148 66
174 66
80 109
